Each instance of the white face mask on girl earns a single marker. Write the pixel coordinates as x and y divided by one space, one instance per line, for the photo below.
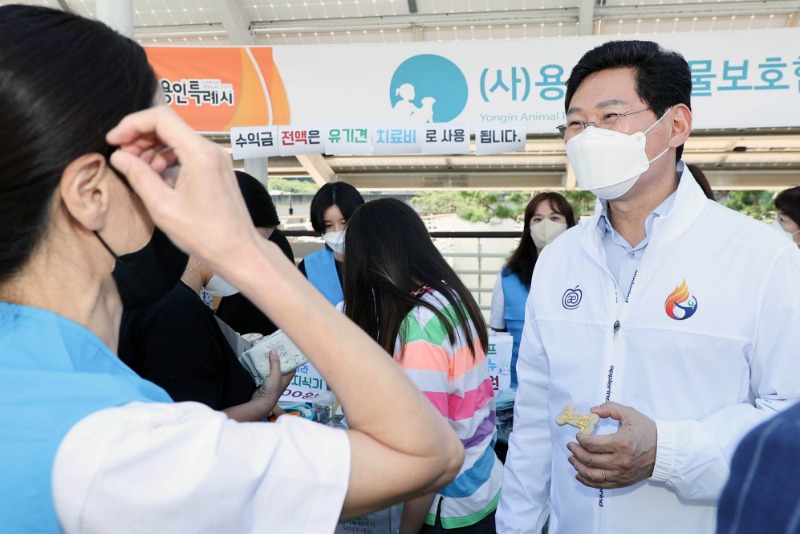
335 240
608 163
219 287
545 231
777 225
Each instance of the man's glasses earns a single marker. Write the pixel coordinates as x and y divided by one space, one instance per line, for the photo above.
610 120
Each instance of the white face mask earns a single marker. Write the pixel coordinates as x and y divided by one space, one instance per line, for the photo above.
219 287
545 231
335 240
608 163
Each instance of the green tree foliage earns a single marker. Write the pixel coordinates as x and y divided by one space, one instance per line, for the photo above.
475 206
293 185
581 201
481 206
756 204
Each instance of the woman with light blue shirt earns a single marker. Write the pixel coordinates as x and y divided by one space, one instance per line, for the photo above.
90 225
547 216
331 207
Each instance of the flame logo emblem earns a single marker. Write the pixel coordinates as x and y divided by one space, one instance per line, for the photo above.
680 304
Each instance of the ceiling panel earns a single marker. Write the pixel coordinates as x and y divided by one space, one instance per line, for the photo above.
467 6
322 9
158 12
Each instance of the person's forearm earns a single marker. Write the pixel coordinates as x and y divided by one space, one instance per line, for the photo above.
397 433
254 410
414 513
339 350
376 395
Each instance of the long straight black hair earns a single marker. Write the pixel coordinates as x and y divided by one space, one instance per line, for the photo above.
65 81
388 254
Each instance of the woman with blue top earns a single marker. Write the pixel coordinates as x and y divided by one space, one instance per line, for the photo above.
331 207
89 226
547 216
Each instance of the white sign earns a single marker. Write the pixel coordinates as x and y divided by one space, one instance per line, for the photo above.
348 139
741 79
306 385
254 142
499 139
499 356
386 521
294 140
395 139
445 139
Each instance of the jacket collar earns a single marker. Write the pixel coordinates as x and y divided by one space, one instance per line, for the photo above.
689 203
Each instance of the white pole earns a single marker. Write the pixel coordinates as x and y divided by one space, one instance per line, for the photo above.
117 14
257 168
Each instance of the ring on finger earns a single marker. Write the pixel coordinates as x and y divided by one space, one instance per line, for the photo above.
604 476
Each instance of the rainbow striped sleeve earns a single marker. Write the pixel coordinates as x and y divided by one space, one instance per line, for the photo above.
457 383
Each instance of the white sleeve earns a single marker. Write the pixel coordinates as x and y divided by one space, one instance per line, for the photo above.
147 467
693 457
497 316
525 500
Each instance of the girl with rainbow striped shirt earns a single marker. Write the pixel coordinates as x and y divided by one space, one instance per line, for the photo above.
401 291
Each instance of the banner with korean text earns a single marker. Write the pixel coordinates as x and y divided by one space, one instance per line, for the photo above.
741 79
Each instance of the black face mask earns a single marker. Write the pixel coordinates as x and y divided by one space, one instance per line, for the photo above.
144 276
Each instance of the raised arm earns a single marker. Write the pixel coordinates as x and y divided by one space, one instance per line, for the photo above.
395 432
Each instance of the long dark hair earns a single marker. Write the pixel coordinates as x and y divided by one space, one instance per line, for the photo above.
523 260
65 81
388 254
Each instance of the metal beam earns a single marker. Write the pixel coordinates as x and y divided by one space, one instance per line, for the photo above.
569 182
586 17
424 20
235 22
417 32
585 14
556 181
727 180
708 9
452 180
65 6
180 30
316 167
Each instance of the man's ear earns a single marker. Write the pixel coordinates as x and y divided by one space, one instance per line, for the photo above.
681 125
85 190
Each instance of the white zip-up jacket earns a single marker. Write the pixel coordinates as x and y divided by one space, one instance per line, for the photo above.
728 360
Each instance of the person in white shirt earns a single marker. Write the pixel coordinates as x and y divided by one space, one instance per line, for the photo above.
666 315
90 225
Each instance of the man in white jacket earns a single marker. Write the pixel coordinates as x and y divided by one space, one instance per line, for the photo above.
670 317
